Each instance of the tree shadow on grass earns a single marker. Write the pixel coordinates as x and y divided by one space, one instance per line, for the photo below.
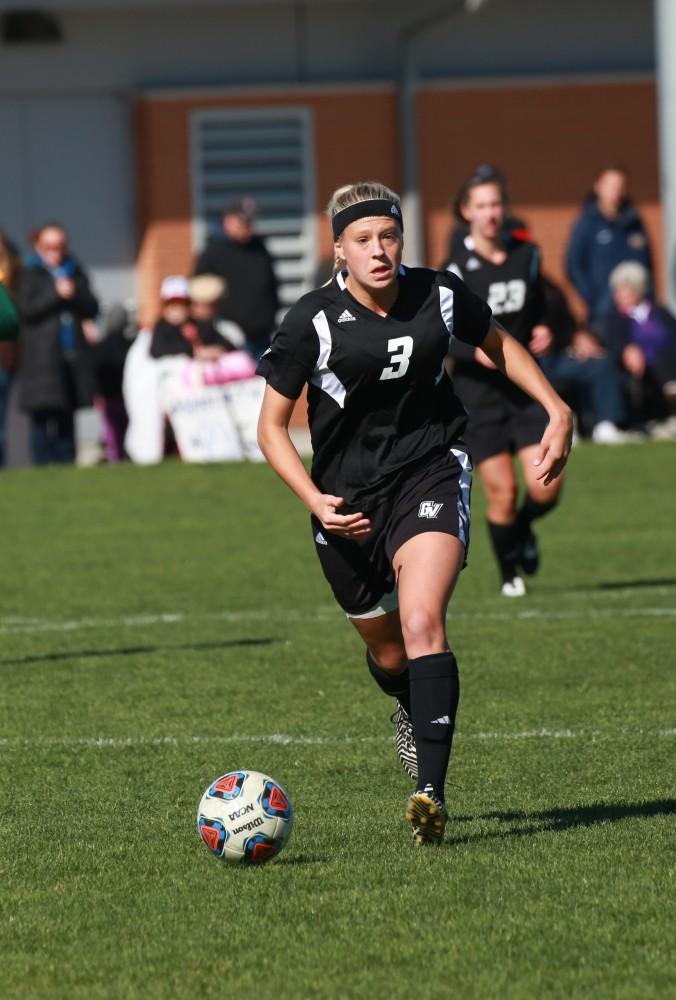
558 820
79 654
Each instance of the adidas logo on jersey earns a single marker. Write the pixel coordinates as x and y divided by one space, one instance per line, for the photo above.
346 317
473 264
319 539
428 508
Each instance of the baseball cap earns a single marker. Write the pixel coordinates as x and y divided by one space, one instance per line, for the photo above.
175 286
241 205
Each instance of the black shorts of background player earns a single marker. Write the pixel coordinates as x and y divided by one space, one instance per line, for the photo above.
503 421
388 491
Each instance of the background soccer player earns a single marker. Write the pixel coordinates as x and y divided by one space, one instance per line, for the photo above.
504 270
389 489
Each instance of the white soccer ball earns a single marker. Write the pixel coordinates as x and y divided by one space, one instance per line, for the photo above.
245 817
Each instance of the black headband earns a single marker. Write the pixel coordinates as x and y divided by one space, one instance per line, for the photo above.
366 210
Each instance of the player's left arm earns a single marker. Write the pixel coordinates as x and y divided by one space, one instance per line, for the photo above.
515 362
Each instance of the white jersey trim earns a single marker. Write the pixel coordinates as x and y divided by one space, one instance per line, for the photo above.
446 306
322 376
465 483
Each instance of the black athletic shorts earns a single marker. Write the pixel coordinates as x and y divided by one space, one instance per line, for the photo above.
435 497
501 422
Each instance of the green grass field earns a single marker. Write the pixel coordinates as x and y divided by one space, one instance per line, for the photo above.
162 626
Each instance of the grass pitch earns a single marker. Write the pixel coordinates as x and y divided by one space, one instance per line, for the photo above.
162 626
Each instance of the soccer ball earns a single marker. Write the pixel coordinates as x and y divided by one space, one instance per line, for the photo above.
245 817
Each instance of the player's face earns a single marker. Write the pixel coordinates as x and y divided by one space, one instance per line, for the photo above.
485 210
372 250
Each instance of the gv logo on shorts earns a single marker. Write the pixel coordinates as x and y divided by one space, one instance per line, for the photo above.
428 508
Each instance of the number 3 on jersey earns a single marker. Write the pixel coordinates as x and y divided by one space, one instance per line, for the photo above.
401 349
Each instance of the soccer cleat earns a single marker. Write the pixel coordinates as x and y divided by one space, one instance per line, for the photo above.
529 554
404 741
427 815
515 587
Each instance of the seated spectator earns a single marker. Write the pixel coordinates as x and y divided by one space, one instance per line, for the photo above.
207 292
53 299
577 365
176 332
641 337
108 358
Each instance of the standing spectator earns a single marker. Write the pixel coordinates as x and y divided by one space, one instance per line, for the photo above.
108 357
10 263
53 298
608 231
641 336
242 260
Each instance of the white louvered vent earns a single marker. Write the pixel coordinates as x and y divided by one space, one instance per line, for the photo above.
267 154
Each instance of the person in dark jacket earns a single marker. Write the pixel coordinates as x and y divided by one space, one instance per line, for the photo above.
608 231
641 336
53 297
242 260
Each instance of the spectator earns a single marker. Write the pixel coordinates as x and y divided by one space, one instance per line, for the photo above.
206 294
608 231
242 260
641 336
578 367
10 263
176 332
108 357
53 298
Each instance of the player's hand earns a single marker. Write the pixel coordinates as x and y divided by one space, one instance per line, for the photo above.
345 525
541 339
555 446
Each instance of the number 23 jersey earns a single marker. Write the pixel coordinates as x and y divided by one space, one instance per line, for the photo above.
379 400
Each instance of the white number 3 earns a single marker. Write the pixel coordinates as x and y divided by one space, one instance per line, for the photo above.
401 349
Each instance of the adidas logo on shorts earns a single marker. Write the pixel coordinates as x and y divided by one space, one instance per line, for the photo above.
319 539
346 317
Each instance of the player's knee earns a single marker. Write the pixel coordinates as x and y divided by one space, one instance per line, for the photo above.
423 631
389 656
502 499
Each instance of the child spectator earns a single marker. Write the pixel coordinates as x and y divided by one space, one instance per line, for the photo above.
641 336
177 332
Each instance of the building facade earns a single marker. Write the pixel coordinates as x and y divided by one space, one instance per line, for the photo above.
135 124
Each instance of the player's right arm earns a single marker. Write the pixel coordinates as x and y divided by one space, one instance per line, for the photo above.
276 444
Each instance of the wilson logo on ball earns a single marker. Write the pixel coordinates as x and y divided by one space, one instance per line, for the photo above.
228 786
274 801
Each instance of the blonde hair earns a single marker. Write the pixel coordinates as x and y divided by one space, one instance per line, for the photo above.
633 274
352 194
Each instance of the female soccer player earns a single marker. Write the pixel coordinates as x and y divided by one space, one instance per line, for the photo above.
504 270
389 490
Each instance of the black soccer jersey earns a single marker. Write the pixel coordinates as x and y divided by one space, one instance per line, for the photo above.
379 399
515 293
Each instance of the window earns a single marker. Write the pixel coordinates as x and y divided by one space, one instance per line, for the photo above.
267 154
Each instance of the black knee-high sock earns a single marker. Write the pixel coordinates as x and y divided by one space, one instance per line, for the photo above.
435 693
505 541
396 685
529 511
